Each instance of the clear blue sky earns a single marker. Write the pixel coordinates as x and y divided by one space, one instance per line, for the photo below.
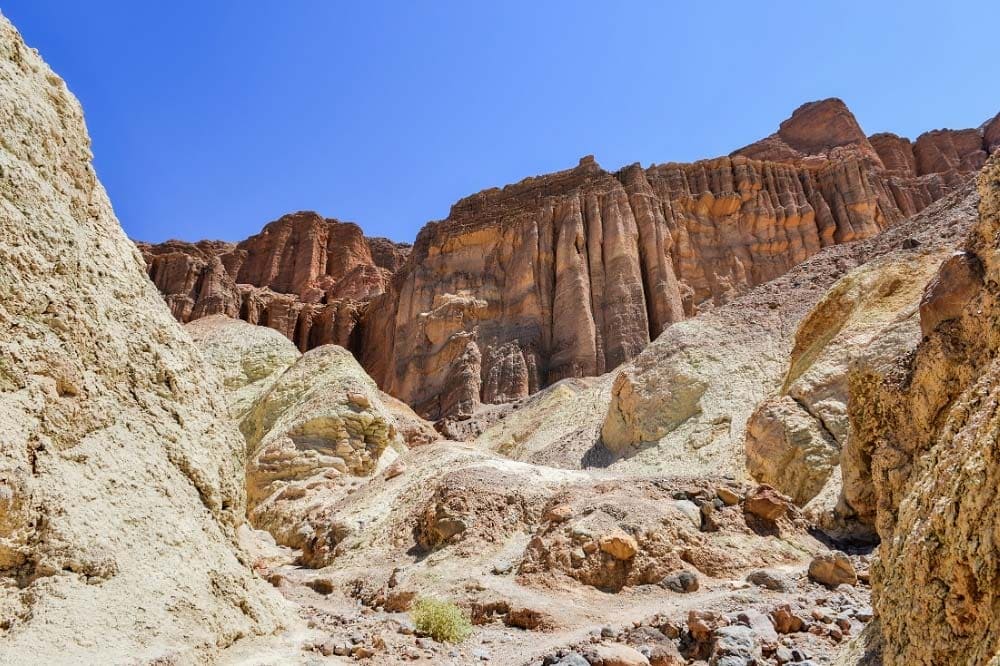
211 118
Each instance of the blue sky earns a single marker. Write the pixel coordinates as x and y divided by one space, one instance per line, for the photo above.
210 119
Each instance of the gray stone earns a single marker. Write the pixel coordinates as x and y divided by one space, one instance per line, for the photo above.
734 645
571 659
680 581
771 580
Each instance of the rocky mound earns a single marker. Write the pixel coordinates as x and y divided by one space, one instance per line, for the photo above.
121 479
319 424
925 454
247 358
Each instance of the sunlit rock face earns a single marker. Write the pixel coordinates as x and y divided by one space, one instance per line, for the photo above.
568 274
303 275
924 462
121 476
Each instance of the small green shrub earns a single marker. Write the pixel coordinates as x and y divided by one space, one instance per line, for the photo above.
441 620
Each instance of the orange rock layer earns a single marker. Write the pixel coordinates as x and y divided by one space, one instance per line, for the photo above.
568 274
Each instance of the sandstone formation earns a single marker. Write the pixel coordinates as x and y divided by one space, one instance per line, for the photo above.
302 275
684 403
319 424
121 479
924 442
572 274
794 438
569 274
247 358
816 131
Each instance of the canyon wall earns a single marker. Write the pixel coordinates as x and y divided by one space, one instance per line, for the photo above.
121 476
568 274
923 464
302 275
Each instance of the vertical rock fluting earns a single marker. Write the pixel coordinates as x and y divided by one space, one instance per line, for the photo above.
568 274
303 275
573 273
924 462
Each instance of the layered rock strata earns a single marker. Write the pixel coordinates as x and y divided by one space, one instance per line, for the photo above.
121 477
573 273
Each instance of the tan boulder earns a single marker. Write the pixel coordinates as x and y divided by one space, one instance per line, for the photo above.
620 546
946 295
767 503
702 623
728 496
786 621
832 569
789 449
614 655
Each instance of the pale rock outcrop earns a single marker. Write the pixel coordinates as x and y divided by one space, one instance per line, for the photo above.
924 436
121 477
558 426
320 423
794 439
247 358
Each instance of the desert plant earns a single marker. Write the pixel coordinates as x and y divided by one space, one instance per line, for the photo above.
441 620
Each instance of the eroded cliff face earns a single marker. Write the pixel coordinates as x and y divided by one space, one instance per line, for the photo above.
926 467
688 400
121 477
303 275
568 274
573 273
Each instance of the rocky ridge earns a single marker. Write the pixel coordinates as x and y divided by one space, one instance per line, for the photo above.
924 451
569 274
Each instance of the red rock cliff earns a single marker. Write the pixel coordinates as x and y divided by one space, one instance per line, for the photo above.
303 275
572 273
